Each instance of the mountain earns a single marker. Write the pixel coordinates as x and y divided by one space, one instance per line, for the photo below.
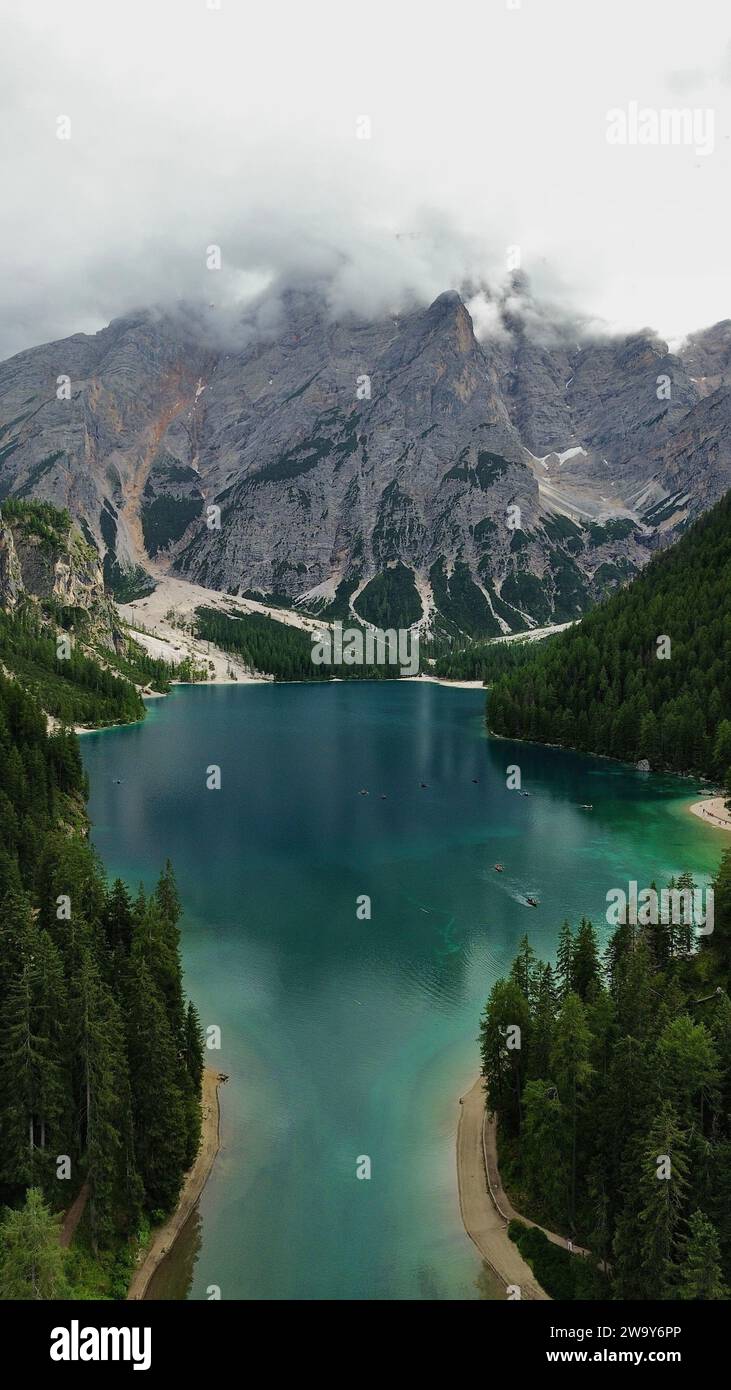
367 467
646 675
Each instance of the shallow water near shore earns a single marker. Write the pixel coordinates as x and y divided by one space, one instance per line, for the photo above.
343 1037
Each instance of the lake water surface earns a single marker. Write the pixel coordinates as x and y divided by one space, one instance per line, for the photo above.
344 1037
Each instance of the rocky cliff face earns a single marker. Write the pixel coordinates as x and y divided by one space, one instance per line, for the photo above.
44 556
399 469
11 580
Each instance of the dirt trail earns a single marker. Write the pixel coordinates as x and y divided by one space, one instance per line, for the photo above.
482 1221
73 1217
500 1196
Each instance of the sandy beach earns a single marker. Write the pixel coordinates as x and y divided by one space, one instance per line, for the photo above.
484 1223
195 1180
456 685
713 812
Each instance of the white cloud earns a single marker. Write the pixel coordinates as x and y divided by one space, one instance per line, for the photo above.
237 126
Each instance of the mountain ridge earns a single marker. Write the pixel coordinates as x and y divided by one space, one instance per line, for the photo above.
342 453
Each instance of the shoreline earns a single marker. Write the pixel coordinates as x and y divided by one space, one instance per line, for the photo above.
196 1178
442 680
485 1206
482 1218
260 680
712 811
608 758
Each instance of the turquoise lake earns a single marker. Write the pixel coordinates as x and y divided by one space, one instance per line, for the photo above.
344 1037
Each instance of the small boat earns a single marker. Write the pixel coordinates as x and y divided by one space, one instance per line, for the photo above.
363 792
423 784
586 806
525 793
498 868
531 901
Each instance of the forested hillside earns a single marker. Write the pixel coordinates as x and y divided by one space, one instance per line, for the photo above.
60 632
277 649
647 674
621 1061
485 661
101 1062
76 690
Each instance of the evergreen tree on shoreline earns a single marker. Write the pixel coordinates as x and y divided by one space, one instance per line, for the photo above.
622 1134
606 686
84 971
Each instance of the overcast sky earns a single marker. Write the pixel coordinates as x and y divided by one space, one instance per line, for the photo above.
237 126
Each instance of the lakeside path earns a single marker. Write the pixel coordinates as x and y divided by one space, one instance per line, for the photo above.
485 1206
713 812
482 1221
500 1196
195 1180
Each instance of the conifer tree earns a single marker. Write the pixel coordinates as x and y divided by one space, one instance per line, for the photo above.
719 1026
688 1070
31 1258
572 1072
634 991
118 918
542 1147
32 1092
194 1045
663 1180
565 961
524 969
718 942
55 1095
168 898
701 1262
585 973
502 1061
158 1099
104 1122
156 942
544 1019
